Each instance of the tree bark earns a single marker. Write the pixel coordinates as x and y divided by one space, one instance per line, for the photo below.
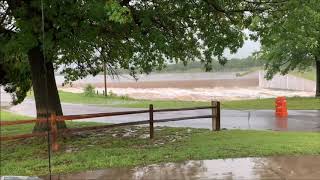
318 78
40 77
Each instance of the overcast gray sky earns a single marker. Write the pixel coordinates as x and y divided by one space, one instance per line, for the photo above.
248 48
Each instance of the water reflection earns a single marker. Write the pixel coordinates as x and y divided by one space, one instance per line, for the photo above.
307 167
281 123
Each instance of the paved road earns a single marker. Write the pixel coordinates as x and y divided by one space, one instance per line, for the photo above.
5 98
298 120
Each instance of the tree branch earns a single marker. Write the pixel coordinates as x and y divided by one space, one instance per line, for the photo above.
266 2
244 9
6 31
125 2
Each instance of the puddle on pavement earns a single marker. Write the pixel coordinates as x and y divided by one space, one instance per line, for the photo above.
306 167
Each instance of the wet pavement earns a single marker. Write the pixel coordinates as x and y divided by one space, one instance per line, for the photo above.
5 98
298 168
298 120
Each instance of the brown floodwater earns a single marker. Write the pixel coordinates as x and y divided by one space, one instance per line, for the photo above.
303 167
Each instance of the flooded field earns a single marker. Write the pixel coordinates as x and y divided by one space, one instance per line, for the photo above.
199 94
194 86
177 80
159 77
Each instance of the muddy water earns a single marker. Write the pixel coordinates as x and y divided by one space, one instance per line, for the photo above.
306 167
175 80
160 77
198 94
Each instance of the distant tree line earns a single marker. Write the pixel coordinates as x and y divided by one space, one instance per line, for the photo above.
232 65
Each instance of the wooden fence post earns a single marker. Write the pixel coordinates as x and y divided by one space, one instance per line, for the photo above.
151 120
215 115
218 117
54 132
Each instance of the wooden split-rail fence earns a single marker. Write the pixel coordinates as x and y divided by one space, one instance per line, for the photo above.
54 132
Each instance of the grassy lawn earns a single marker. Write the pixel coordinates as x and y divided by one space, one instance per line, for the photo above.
293 103
123 101
128 147
249 71
27 128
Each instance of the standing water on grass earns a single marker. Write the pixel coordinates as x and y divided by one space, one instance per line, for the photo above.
305 167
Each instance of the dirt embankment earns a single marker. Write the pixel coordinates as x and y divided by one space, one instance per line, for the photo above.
197 87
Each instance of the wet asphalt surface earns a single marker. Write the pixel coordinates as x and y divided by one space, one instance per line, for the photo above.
298 120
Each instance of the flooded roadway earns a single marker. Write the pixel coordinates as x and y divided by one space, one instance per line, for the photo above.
298 120
302 167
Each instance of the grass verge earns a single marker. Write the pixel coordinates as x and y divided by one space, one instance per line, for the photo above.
27 128
294 103
130 146
249 71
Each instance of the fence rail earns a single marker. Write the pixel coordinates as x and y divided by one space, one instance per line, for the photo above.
54 132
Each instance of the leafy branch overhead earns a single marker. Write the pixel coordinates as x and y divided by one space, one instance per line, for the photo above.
290 38
137 35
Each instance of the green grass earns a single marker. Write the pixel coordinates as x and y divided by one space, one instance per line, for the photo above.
27 128
10 130
112 148
8 116
102 150
123 101
293 103
310 74
249 71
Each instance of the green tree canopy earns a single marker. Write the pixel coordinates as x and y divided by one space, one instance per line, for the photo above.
137 35
290 37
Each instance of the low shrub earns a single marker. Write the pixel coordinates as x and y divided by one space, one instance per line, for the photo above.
89 90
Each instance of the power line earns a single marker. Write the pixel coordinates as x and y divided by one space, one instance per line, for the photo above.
46 89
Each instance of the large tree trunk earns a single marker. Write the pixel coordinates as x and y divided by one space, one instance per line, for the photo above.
39 79
318 78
